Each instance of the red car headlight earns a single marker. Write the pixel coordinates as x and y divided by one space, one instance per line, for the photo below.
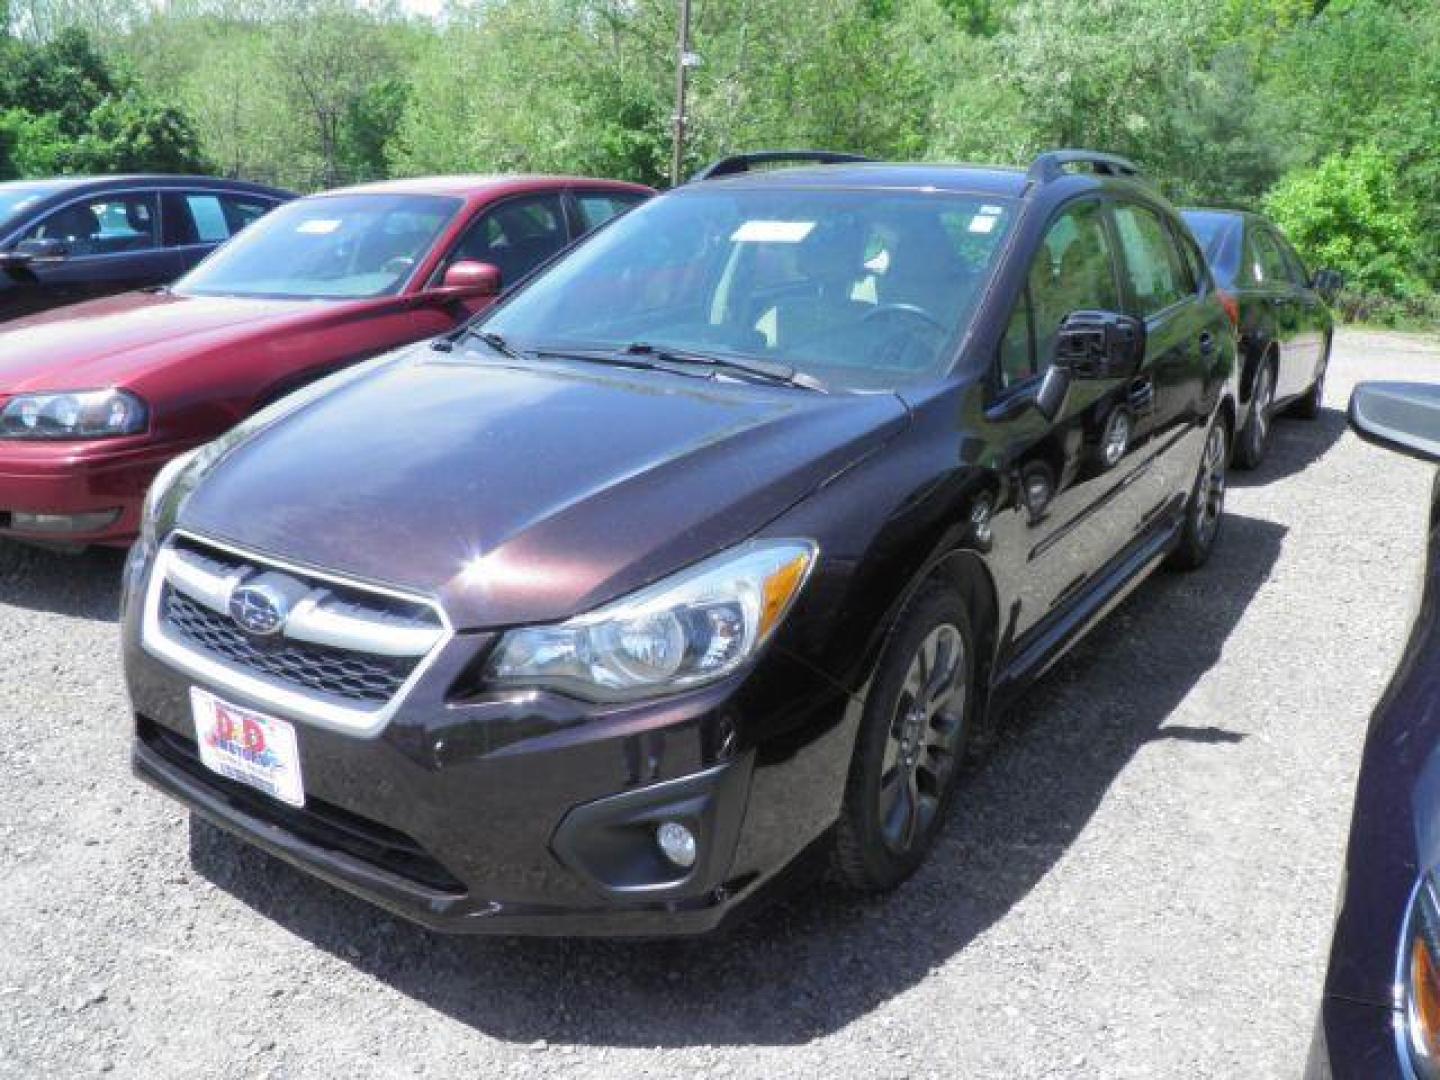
79 414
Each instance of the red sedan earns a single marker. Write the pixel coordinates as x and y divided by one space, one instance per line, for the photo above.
96 398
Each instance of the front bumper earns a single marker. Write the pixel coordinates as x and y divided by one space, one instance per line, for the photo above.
1356 1041
78 480
531 814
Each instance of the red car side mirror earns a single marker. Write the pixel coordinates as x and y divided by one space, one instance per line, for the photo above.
468 279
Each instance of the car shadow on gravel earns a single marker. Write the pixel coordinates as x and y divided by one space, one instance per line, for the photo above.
1294 446
83 586
820 959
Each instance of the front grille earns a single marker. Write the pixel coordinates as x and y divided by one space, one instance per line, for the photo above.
337 652
318 823
347 675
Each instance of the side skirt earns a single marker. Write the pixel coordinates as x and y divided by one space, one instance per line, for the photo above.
1061 630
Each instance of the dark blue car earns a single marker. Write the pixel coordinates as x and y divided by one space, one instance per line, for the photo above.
76 238
1380 1016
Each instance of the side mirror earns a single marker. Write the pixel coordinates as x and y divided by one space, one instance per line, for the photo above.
1328 284
42 251
1100 345
1398 416
467 280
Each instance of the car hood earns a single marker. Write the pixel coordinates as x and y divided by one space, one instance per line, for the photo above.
520 493
105 342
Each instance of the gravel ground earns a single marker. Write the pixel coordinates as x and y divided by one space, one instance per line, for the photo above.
1140 883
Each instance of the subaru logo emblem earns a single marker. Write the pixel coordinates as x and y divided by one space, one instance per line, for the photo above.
258 611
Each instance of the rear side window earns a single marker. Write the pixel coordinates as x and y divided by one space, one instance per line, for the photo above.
1265 265
597 208
1156 272
103 225
204 217
209 218
1294 265
1074 270
241 212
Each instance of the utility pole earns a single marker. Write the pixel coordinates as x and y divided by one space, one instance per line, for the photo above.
684 60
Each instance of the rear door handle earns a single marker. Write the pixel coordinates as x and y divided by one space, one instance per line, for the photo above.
1207 342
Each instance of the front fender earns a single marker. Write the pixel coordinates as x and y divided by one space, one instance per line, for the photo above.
920 508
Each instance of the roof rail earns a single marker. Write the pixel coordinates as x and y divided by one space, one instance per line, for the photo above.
739 163
1051 165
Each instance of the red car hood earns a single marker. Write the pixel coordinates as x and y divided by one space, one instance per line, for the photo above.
105 342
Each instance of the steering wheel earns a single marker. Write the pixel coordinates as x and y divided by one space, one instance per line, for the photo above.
909 311
908 346
398 265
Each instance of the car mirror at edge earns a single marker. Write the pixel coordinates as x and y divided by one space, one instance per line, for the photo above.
1399 416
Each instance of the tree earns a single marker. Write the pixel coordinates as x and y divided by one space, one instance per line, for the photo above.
328 55
66 79
133 134
1347 214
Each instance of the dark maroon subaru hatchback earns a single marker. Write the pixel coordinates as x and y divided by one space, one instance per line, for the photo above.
711 549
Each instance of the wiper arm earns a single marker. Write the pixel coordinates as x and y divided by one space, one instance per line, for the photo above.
751 369
496 342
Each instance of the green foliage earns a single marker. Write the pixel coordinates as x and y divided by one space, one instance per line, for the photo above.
64 109
134 134
65 79
1347 213
34 143
1325 111
371 121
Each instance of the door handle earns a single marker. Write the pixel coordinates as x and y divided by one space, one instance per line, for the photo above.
1207 342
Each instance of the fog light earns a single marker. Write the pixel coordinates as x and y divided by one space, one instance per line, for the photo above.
677 842
63 523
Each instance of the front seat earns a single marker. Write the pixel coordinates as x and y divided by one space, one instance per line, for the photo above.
924 272
137 216
831 260
77 226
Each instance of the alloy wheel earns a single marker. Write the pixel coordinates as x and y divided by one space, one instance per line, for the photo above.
1210 496
922 749
1260 406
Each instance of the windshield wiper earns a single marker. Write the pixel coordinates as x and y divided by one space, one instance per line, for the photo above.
755 370
496 342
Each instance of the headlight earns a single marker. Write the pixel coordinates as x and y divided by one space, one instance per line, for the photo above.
692 628
1420 982
82 414
155 497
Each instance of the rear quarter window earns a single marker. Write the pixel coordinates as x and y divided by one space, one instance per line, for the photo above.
596 208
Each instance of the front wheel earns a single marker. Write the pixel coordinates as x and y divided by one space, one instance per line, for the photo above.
911 744
1207 503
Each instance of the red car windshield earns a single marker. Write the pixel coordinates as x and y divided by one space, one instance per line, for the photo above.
340 247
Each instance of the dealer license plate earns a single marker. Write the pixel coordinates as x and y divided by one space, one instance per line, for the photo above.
248 746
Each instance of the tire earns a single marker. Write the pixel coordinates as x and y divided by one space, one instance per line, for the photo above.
910 749
1308 407
1206 508
14 559
1254 436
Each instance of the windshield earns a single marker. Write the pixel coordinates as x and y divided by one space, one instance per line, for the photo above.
17 197
326 247
860 288
1217 233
